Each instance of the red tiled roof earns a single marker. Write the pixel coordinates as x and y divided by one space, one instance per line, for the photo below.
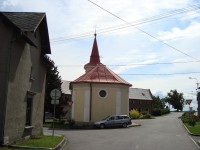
101 74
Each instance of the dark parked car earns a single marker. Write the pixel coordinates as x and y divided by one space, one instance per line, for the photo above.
114 121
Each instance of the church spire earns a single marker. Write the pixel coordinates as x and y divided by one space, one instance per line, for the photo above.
94 57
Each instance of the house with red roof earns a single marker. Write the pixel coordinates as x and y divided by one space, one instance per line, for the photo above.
99 92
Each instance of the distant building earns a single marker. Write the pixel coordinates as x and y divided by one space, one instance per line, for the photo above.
67 102
99 92
24 43
140 99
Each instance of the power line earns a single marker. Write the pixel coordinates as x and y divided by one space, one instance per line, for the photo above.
162 74
137 64
134 23
162 63
144 31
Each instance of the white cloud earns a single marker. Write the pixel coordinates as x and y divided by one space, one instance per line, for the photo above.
177 33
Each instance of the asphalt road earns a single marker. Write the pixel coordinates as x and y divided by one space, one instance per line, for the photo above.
162 133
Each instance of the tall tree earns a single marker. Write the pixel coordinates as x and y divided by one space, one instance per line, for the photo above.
175 99
158 103
53 81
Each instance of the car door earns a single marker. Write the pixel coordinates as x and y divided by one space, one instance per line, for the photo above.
118 121
110 121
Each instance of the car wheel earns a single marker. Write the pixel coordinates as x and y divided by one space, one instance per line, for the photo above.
102 126
124 125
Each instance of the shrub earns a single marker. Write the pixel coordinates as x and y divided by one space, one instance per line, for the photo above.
185 119
156 112
192 122
197 118
159 111
144 113
146 116
190 118
165 111
134 114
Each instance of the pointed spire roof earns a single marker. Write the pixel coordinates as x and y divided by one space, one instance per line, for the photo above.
94 58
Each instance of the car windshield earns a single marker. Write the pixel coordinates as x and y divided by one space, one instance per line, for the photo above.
106 118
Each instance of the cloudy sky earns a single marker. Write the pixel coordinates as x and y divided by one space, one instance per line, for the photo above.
152 44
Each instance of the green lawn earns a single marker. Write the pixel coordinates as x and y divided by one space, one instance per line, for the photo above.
195 129
43 141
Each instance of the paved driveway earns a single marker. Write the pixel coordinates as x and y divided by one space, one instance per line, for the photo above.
162 133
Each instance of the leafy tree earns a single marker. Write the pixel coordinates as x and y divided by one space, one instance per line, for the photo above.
158 103
159 107
175 99
53 81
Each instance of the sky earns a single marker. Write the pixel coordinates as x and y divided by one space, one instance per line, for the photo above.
151 44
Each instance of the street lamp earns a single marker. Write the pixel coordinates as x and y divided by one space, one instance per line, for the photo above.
196 80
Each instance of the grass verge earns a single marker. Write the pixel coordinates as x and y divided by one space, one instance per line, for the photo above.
195 129
41 141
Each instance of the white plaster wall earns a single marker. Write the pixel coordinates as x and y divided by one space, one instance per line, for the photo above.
118 101
87 104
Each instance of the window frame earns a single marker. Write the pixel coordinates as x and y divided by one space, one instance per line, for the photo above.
103 90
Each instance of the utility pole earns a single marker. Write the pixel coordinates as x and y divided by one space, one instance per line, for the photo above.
198 95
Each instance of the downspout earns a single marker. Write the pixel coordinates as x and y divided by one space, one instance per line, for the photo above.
90 102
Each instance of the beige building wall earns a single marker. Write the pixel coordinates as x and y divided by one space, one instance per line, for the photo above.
23 57
78 99
17 90
93 107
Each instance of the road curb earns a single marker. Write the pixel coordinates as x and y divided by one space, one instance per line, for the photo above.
61 144
197 142
189 131
134 125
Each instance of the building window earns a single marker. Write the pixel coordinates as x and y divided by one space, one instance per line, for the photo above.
28 111
29 105
32 74
102 93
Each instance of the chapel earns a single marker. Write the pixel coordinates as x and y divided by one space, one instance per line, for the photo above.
99 92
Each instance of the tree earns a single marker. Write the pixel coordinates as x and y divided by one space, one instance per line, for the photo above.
158 103
175 99
53 81
159 107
